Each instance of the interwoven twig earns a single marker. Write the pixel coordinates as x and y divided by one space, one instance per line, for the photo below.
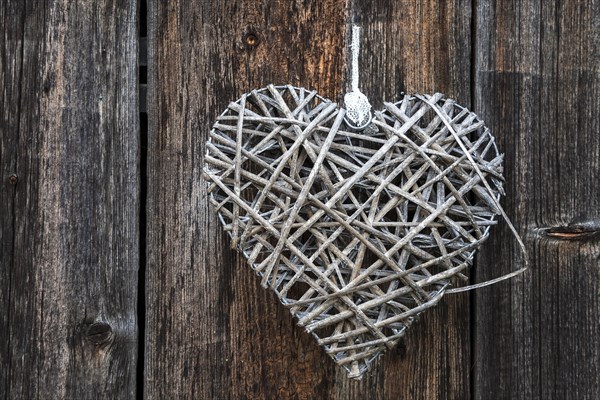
357 233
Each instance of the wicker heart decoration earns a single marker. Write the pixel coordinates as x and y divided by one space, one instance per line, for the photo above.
356 232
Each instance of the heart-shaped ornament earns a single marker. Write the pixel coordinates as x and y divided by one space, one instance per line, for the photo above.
356 232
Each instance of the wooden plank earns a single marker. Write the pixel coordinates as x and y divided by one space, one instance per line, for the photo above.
538 86
68 280
212 331
10 73
424 47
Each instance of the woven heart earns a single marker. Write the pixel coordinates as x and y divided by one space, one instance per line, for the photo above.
356 232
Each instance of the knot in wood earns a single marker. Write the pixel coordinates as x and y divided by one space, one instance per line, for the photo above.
99 333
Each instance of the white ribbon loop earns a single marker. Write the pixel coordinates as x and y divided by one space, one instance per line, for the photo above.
358 115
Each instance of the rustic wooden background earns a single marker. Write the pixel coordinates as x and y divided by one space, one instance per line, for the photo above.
115 278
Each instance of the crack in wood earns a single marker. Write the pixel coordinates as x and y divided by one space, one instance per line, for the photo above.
574 232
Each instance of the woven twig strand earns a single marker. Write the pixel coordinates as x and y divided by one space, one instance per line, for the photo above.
356 234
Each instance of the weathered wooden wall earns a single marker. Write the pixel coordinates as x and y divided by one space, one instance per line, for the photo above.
84 202
69 199
202 299
537 83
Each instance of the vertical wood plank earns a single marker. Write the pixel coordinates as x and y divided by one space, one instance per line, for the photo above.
212 332
69 233
425 47
538 87
10 76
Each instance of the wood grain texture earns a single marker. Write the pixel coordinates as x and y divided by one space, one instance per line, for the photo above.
207 316
212 331
538 87
419 47
69 232
70 201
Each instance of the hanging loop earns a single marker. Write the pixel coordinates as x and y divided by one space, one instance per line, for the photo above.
358 115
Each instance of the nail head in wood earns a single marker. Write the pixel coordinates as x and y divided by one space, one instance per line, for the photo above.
251 39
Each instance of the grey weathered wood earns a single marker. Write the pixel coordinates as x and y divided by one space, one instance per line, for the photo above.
70 181
69 226
206 312
419 47
538 87
212 331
